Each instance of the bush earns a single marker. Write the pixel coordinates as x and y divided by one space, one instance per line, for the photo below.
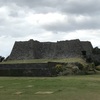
65 72
90 68
98 68
1 58
59 68
72 69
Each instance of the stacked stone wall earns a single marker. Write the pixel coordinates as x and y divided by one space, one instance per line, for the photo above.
42 50
22 50
87 46
71 48
48 50
33 69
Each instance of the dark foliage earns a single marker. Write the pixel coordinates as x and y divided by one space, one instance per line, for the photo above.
1 58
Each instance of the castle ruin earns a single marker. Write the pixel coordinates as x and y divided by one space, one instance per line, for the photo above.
46 50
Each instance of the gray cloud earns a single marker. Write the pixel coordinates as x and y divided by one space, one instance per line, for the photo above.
63 6
81 7
73 25
24 19
70 8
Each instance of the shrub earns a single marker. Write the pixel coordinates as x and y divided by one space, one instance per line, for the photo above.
65 72
59 68
98 68
90 68
1 58
74 69
71 69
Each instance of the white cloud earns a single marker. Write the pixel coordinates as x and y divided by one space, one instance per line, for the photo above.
6 45
85 35
48 20
42 19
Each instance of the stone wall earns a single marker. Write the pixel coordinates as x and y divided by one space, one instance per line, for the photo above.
33 69
87 46
23 50
38 50
71 48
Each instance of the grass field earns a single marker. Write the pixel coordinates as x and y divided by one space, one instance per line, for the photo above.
50 88
67 60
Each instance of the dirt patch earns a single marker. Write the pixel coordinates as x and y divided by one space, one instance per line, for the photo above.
18 93
29 86
44 92
16 83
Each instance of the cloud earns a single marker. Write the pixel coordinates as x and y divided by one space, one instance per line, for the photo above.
81 7
23 22
72 23
48 20
13 22
65 6
6 45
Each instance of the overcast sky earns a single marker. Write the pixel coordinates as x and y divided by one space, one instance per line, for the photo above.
48 20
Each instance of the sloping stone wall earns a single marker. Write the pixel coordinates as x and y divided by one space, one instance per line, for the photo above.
71 48
87 46
38 50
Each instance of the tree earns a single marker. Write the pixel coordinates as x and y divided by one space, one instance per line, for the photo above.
1 58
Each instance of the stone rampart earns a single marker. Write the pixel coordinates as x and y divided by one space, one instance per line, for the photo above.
42 50
27 69
87 46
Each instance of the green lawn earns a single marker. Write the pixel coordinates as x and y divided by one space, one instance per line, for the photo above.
80 60
50 88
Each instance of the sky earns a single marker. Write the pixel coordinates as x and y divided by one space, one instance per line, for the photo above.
48 20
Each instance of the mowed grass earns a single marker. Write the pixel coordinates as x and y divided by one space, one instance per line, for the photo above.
67 60
50 88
